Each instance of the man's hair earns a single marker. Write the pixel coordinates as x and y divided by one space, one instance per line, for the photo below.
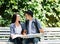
29 12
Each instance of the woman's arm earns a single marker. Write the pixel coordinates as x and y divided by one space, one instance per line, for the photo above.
11 30
24 31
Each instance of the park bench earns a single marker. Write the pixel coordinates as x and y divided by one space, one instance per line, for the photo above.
4 35
51 35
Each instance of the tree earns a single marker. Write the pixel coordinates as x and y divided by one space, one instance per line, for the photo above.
46 11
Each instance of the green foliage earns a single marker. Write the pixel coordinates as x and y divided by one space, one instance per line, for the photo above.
46 11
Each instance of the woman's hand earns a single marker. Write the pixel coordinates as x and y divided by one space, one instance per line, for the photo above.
24 32
12 36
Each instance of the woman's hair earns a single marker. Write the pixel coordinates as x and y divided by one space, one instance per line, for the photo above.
14 18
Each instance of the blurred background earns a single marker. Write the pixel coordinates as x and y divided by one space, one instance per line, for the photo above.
46 11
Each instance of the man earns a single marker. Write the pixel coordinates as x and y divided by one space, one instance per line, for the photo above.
32 26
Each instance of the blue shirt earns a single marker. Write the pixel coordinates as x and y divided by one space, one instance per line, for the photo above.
31 28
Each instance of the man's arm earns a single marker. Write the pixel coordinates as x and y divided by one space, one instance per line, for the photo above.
39 27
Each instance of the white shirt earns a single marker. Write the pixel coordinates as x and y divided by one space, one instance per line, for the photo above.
30 22
18 29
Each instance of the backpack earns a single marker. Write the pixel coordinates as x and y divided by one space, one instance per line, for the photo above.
35 23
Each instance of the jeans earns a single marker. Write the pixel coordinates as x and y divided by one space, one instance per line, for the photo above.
31 41
36 40
17 40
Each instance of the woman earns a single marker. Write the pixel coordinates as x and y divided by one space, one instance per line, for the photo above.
16 28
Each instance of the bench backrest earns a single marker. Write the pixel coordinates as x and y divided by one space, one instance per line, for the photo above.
49 34
4 33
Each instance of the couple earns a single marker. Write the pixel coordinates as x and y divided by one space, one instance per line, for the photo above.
30 26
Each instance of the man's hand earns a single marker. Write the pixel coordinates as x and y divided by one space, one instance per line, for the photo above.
24 32
41 31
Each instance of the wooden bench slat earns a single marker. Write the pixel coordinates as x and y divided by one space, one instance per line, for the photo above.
6 43
5 30
4 35
4 38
